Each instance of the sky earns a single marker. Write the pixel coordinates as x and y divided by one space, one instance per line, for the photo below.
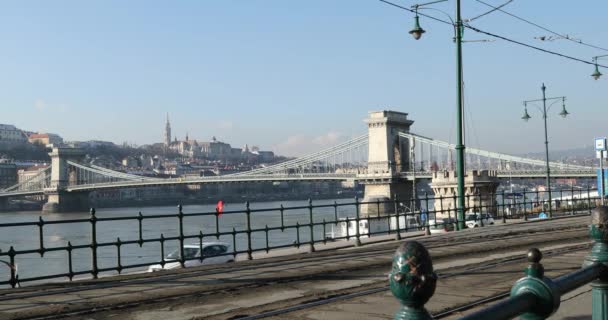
294 76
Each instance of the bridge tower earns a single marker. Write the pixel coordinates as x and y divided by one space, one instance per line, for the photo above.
388 156
58 198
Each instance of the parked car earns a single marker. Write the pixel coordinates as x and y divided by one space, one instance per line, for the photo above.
474 220
442 225
213 253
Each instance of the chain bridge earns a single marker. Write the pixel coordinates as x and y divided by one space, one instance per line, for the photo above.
388 154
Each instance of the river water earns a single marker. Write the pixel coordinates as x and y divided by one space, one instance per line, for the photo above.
56 235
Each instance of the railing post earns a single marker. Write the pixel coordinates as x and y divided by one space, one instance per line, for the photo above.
93 220
312 224
546 292
41 236
412 280
140 241
70 267
504 218
248 212
599 254
481 211
358 241
525 214
561 199
162 250
118 260
398 234
572 198
456 224
428 215
11 254
180 218
267 244
538 200
441 207
589 199
282 218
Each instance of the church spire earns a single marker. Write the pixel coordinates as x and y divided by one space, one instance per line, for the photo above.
167 131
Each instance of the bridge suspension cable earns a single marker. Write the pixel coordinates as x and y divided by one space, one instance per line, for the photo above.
37 182
340 154
493 155
121 174
91 175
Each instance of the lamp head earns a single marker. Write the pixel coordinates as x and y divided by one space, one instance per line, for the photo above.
596 74
417 31
526 116
564 112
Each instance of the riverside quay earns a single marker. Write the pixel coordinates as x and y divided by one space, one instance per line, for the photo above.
314 259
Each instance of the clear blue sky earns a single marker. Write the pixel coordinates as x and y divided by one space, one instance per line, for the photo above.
291 76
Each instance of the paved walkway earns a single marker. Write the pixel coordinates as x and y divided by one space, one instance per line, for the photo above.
456 290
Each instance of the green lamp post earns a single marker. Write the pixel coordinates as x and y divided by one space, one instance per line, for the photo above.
564 113
460 148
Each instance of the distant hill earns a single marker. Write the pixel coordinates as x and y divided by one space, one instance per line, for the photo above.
574 153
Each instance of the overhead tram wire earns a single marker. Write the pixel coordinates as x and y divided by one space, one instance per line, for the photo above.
562 36
499 36
486 13
533 47
419 13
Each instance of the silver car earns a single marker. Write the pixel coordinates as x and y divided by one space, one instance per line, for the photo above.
213 253
474 220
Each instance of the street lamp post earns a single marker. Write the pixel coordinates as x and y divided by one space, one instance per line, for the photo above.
417 32
527 117
460 119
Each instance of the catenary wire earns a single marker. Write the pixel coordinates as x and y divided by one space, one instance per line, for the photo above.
500 37
493 9
533 47
563 36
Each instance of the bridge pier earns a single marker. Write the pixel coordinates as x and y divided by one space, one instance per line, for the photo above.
63 201
388 156
58 198
479 189
379 196
3 204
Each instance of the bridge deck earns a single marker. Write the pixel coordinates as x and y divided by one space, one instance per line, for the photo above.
251 287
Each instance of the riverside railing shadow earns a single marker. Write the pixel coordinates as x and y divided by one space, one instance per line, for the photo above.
97 247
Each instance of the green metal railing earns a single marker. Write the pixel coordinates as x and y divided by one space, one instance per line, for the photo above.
389 217
412 281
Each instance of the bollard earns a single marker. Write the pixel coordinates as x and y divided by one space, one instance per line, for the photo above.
544 289
598 231
412 280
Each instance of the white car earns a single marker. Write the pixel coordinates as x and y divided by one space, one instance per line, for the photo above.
441 225
213 252
474 220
